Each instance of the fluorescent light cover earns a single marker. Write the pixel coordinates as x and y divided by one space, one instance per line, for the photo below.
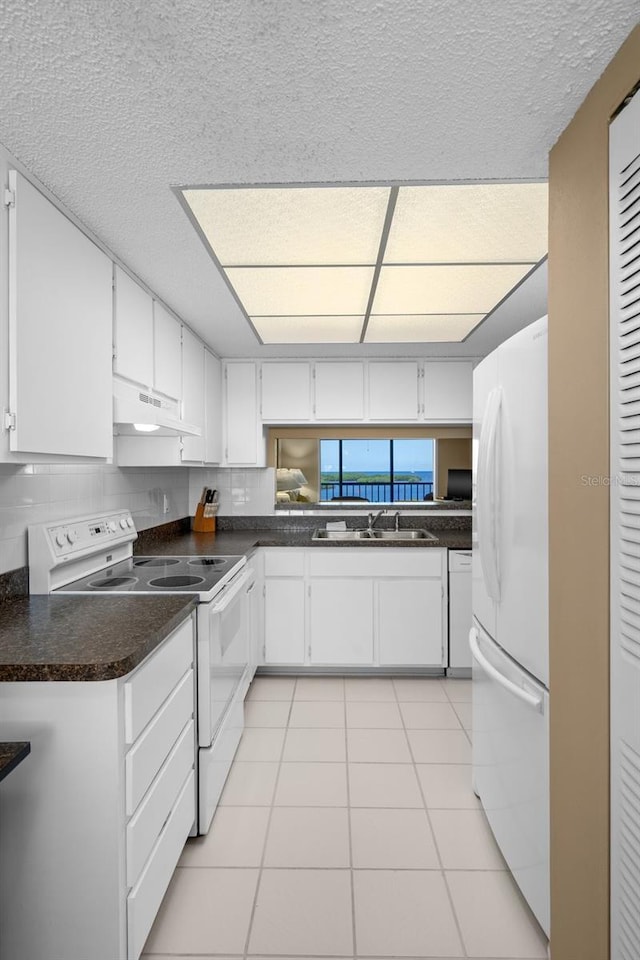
334 329
296 291
421 328
294 225
469 222
146 427
444 289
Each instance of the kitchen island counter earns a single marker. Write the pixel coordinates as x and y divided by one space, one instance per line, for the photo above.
83 638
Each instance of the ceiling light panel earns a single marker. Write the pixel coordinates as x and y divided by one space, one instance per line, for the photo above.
309 329
301 225
421 328
444 289
296 291
458 223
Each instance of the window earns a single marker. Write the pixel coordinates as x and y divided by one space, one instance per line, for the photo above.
377 470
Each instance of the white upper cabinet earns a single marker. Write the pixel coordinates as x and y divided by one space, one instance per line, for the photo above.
60 311
286 391
448 390
339 393
193 393
132 330
212 408
167 353
393 390
242 427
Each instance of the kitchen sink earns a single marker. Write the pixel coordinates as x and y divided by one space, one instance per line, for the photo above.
401 535
340 535
398 535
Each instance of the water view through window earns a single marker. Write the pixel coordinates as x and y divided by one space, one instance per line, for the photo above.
377 470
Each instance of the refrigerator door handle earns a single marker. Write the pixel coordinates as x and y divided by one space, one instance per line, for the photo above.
537 702
488 495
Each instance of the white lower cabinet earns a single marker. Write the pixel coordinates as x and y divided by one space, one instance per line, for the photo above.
102 809
410 622
284 611
341 621
360 607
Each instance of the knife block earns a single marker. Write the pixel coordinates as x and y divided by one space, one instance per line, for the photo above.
202 523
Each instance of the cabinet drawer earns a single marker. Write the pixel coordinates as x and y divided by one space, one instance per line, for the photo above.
145 758
150 686
146 896
376 562
284 563
144 828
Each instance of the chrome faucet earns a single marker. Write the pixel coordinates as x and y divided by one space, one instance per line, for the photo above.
373 520
396 517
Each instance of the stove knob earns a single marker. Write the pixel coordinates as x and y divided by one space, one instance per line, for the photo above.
72 536
60 540
129 521
123 523
112 526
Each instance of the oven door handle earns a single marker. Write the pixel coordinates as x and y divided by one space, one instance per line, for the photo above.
234 589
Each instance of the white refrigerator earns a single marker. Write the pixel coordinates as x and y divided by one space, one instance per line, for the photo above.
509 639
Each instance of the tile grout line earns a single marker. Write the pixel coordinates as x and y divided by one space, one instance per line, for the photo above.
266 836
354 943
433 834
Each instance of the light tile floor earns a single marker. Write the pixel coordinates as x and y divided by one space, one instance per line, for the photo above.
348 828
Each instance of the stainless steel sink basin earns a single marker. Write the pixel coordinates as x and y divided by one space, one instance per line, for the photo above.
340 535
398 535
401 535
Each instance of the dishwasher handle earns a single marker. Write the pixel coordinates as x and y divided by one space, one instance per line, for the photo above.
531 699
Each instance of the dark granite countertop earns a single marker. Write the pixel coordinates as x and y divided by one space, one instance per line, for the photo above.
83 638
228 542
11 754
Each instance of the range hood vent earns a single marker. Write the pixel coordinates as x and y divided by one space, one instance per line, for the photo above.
138 412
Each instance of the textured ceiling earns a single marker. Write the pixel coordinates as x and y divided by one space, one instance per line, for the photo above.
109 103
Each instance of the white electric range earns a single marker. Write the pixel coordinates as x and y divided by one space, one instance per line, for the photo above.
93 555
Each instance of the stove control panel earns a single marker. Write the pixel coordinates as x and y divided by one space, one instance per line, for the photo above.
81 536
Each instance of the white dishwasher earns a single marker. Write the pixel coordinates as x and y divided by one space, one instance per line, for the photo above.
460 614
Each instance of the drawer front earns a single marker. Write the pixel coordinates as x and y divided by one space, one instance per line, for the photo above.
377 562
150 686
460 561
147 755
146 896
145 826
284 563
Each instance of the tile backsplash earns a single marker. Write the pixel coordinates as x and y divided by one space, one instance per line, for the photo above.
241 493
36 493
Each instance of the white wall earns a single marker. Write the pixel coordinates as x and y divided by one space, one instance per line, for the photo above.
36 493
241 493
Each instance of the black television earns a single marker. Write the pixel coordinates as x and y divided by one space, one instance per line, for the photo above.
458 485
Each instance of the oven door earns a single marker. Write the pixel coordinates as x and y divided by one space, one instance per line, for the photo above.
224 629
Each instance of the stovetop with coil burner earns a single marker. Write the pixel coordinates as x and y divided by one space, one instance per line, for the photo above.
196 575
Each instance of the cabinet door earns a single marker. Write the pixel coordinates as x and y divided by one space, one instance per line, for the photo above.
286 391
241 413
60 379
212 408
448 390
192 393
132 330
410 622
167 353
284 621
341 621
339 390
393 390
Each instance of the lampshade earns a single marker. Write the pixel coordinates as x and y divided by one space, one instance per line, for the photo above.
288 478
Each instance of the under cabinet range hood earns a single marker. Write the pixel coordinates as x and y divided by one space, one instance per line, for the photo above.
140 412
